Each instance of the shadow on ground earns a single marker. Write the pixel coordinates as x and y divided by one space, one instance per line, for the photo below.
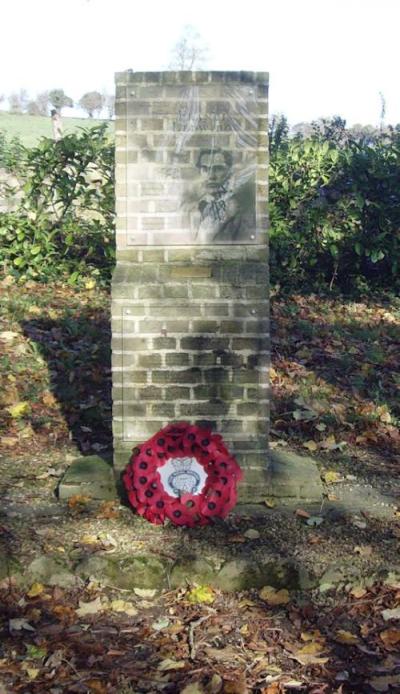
78 353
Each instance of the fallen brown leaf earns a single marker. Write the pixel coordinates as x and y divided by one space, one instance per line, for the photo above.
346 637
314 635
358 591
384 683
301 513
48 399
96 686
108 510
9 441
35 590
390 637
274 597
169 664
273 688
308 659
78 500
311 648
91 607
236 686
64 613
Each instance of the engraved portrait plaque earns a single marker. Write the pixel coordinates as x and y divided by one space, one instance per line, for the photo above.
192 159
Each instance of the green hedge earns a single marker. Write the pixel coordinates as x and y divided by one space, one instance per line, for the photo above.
334 207
64 224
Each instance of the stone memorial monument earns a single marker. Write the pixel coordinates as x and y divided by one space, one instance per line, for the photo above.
190 289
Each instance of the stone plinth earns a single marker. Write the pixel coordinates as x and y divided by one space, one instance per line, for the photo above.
90 476
190 290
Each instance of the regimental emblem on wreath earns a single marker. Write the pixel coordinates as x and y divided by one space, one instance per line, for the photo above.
184 480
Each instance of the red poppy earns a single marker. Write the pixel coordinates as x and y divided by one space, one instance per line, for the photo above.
183 473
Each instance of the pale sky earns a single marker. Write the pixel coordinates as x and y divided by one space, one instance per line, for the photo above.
324 57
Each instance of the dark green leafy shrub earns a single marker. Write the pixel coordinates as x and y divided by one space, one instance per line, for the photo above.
12 153
335 209
65 222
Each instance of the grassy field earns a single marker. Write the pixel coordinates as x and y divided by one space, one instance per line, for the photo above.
31 128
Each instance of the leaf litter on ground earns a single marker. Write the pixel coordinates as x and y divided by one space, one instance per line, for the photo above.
346 393
304 642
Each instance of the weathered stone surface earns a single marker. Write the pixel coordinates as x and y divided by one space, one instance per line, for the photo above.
238 574
34 512
279 574
254 488
189 569
293 476
64 579
91 476
247 572
97 567
45 567
125 572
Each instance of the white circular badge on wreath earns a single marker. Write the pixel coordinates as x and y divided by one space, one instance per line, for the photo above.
182 476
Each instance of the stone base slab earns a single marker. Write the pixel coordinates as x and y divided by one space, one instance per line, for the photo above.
243 572
286 476
293 476
90 476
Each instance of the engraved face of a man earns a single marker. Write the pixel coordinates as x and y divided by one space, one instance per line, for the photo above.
214 166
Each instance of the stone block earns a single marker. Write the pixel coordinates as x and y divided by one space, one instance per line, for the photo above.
192 569
150 393
45 568
149 361
201 343
90 476
177 359
202 291
205 326
216 309
163 409
177 376
176 393
190 271
164 343
150 292
176 291
294 476
151 255
245 376
125 573
238 574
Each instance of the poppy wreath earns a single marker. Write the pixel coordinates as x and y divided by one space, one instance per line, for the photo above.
183 473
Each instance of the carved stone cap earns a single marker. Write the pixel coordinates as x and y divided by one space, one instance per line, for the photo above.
192 77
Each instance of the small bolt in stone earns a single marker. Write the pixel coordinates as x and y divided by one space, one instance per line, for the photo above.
132 93
252 237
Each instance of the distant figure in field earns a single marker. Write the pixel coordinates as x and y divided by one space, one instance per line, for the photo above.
57 125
